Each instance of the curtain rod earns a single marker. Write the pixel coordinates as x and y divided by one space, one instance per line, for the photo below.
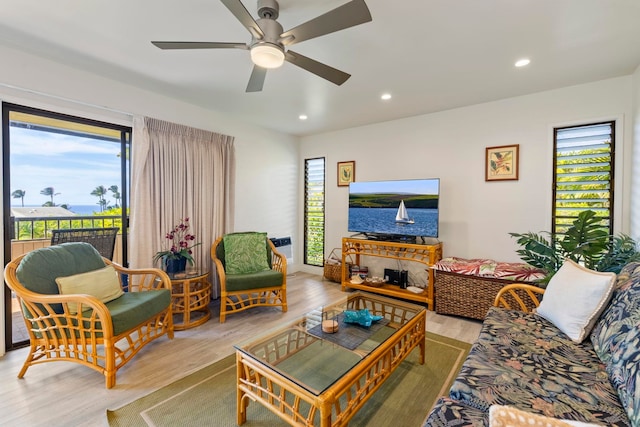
68 100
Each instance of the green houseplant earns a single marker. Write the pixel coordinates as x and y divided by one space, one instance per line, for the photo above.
586 242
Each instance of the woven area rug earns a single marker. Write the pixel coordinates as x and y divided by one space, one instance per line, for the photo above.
208 396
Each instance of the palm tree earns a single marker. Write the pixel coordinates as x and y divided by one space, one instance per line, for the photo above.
19 194
99 192
116 194
49 191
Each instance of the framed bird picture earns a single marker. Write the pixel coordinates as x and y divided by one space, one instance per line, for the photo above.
501 163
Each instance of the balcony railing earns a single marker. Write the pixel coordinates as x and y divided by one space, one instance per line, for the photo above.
34 228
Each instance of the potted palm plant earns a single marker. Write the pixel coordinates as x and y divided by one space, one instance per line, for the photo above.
586 242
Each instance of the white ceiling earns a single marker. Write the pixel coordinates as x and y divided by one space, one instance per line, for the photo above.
431 55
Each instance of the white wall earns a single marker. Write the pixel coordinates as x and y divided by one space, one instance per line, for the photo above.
267 161
635 185
476 216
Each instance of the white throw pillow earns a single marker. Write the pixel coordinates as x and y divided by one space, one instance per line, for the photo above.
575 298
102 284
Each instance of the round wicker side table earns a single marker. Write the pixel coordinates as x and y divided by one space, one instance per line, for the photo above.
190 297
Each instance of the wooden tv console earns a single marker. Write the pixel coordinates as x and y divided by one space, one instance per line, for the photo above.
424 254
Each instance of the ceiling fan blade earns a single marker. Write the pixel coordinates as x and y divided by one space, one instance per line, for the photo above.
348 15
319 69
199 45
256 81
242 14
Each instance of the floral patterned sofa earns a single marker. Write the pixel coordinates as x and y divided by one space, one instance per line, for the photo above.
522 360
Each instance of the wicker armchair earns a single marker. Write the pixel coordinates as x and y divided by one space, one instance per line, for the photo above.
241 291
103 239
519 297
77 327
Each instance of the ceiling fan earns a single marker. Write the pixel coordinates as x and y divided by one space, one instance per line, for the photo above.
269 43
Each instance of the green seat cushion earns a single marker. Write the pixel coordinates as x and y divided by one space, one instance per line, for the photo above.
128 311
133 308
245 252
262 279
39 268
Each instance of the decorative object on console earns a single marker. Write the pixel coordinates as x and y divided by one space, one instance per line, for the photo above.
356 279
501 163
180 248
346 173
374 281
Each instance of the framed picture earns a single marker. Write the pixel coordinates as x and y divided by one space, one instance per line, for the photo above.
501 163
346 173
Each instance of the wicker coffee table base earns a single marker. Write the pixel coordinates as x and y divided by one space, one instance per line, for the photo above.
339 403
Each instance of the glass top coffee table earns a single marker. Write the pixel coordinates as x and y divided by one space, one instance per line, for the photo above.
310 377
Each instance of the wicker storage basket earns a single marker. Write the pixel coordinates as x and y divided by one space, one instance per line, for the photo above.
333 270
466 295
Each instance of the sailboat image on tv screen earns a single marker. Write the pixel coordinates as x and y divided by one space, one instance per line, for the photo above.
402 217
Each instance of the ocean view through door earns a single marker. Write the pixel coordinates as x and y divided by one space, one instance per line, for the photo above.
59 172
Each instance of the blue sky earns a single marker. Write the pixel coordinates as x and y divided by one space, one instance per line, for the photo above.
414 186
73 166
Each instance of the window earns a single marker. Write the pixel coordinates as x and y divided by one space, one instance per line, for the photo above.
314 211
584 173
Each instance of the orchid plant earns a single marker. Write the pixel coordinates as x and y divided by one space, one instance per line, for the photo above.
179 243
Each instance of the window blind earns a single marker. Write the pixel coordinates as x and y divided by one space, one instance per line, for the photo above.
314 173
584 173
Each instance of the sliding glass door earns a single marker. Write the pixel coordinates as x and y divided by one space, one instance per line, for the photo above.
59 172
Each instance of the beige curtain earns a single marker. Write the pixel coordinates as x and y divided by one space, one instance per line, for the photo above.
179 172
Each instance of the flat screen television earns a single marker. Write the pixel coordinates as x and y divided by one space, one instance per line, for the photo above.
393 210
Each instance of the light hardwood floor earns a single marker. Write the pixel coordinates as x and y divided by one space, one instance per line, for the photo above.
67 394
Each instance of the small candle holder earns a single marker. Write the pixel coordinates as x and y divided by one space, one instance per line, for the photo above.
329 326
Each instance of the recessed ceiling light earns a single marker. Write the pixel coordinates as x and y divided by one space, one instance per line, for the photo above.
522 62
303 117
385 96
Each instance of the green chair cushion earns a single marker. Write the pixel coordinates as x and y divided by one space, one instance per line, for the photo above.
245 252
134 308
39 268
262 279
127 312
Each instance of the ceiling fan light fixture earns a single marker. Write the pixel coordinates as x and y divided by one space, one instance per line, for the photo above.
267 55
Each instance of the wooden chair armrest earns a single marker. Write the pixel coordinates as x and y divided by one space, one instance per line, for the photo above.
278 260
222 275
519 296
141 279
